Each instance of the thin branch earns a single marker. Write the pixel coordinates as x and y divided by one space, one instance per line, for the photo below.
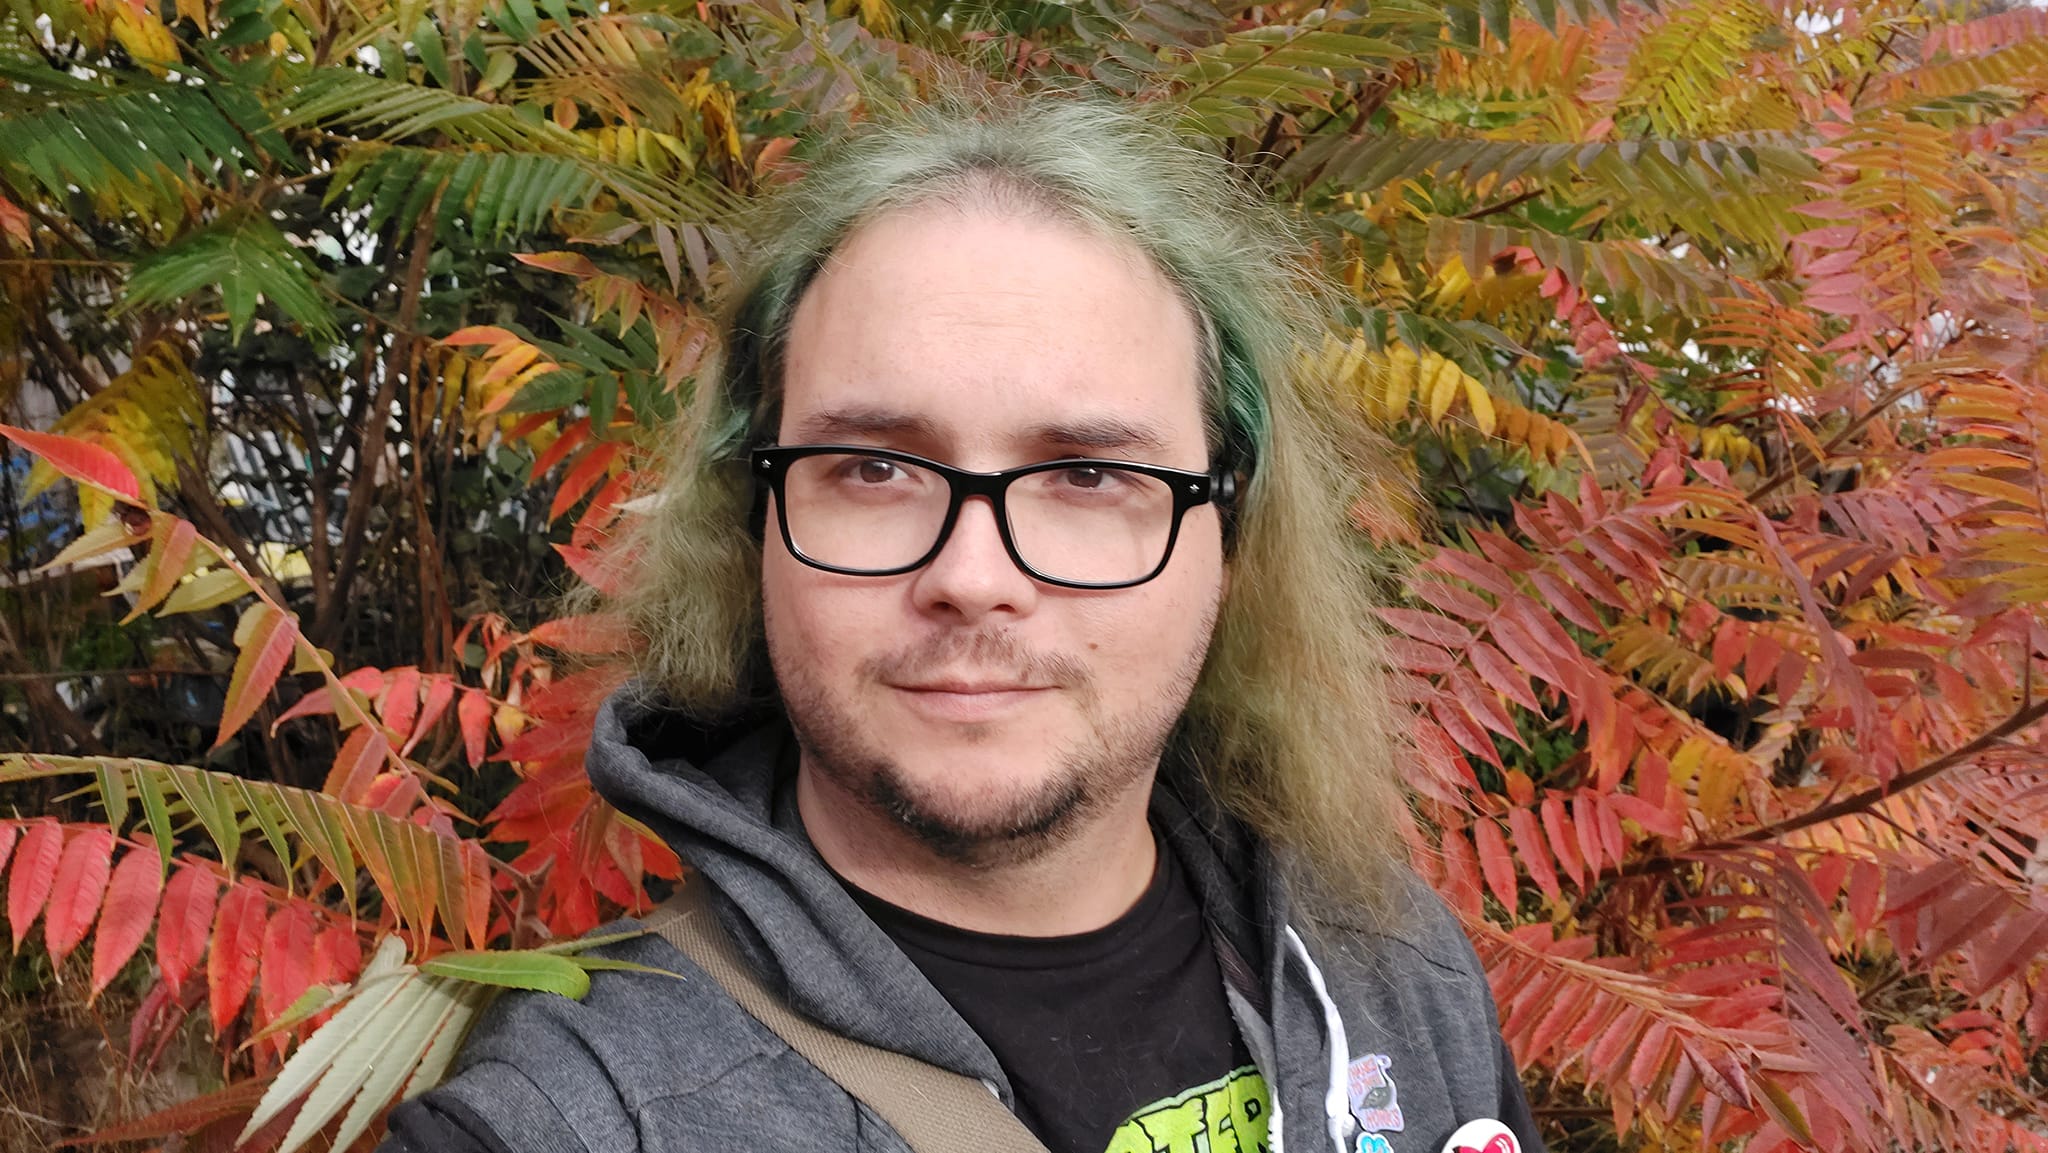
1502 205
1856 803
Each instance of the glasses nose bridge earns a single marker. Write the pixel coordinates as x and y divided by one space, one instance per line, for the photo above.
990 486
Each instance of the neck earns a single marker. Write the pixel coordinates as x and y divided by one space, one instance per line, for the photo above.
1090 878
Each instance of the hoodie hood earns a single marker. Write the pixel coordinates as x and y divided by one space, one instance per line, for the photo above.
718 797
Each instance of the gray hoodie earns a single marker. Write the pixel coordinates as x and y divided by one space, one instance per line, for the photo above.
1369 1042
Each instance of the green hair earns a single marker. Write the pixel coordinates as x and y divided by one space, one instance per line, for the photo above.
1290 726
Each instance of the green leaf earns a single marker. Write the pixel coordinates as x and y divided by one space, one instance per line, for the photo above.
246 258
524 969
427 39
114 796
158 813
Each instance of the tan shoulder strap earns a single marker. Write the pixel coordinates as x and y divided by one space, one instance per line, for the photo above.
934 1110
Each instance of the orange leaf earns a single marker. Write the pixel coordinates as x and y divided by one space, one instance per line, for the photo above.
480 334
125 918
82 461
231 963
187 918
81 882
35 871
566 263
267 637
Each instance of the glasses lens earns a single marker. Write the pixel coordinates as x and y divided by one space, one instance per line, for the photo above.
1092 524
863 513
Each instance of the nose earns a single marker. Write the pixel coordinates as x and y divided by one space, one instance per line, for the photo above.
973 575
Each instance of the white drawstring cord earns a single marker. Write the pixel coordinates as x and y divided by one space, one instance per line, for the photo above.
1337 1096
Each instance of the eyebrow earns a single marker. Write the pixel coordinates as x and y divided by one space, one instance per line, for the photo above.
1087 434
1098 434
845 422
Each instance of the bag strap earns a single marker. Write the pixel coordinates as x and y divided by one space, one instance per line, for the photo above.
934 1110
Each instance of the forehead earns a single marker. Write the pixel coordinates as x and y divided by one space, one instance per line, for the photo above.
989 336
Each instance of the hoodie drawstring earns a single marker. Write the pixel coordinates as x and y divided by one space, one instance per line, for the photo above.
1337 1095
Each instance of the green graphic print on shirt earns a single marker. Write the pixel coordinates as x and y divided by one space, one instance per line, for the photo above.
1227 1115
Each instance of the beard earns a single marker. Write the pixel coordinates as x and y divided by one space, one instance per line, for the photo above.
1000 826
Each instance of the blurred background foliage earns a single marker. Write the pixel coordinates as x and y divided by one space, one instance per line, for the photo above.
1710 335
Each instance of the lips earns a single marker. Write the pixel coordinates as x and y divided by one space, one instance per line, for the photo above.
968 700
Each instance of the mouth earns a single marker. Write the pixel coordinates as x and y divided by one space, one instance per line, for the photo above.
969 700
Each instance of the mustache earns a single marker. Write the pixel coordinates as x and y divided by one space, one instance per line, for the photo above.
981 651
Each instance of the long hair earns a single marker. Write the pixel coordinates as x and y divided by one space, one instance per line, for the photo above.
1290 726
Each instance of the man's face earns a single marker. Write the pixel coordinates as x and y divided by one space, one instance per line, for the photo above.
981 709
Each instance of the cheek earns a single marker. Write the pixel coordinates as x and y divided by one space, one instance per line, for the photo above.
811 631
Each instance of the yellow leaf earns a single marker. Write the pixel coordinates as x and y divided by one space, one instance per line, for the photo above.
1441 380
1401 370
195 11
1482 405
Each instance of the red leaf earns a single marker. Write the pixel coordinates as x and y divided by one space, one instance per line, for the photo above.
1453 599
1428 627
81 882
1463 729
1567 602
440 693
125 918
1557 829
187 918
571 439
476 893
474 713
1478 570
266 649
231 963
287 962
170 551
1585 819
9 831
82 461
1461 876
400 707
35 871
356 765
337 955
596 633
1501 675
1529 842
1495 861
237 1100
582 477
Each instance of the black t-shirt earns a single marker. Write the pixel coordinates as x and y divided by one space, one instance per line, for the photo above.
1116 1040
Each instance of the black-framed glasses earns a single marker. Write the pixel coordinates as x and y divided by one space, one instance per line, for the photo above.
1076 522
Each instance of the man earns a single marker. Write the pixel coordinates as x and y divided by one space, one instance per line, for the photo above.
1009 686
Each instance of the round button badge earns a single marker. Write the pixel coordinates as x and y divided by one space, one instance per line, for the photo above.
1484 1135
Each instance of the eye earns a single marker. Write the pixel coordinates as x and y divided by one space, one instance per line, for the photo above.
1084 478
873 470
